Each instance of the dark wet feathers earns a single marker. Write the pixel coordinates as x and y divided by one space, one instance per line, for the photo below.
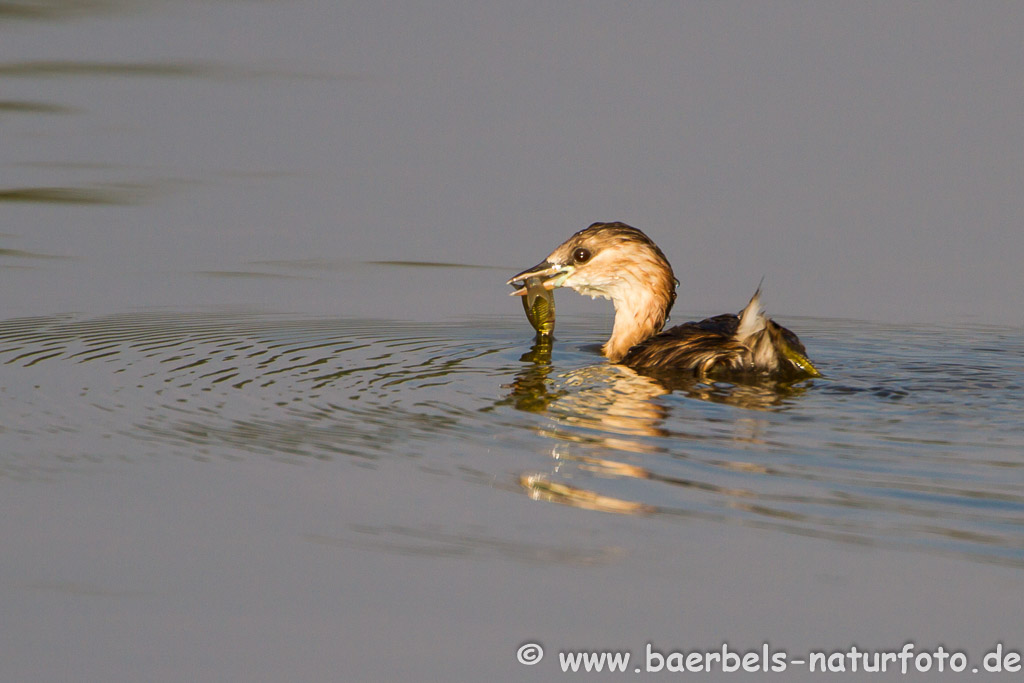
706 347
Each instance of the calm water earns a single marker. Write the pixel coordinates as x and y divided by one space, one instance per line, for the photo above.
267 411
913 440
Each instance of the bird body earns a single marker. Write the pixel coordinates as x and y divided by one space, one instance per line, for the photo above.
618 262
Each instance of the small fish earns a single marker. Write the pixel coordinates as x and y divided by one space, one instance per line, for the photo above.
539 304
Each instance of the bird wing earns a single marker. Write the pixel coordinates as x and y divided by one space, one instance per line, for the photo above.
698 346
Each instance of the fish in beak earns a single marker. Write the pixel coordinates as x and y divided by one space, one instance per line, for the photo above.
535 285
550 275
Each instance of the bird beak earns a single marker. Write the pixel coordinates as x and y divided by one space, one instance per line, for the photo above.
552 276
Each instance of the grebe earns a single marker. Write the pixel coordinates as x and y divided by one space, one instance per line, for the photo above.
618 262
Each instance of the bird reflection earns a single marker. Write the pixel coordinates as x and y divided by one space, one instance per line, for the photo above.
614 409
630 392
530 391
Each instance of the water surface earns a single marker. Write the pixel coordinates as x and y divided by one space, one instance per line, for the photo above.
913 438
269 413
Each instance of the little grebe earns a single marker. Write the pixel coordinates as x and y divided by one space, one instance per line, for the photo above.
619 262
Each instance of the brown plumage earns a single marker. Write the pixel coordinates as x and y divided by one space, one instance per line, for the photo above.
619 262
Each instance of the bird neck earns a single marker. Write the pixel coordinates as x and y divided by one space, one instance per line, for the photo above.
640 312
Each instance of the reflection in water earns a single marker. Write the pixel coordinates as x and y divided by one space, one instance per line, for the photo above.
614 408
624 443
121 194
628 391
530 388
21 254
888 451
610 398
31 107
57 10
78 68
540 487
166 69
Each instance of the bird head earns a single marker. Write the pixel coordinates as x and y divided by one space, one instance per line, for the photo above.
609 260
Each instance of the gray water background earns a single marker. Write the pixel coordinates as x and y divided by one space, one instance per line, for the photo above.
268 412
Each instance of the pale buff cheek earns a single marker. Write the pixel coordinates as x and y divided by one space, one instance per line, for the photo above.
641 295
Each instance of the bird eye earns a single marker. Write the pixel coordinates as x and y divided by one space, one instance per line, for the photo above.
581 255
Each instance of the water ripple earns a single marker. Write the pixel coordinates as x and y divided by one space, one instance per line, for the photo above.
914 439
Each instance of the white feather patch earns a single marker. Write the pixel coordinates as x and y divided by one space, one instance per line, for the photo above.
752 318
